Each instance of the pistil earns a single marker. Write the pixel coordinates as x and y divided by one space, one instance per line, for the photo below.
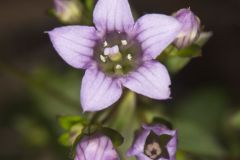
153 150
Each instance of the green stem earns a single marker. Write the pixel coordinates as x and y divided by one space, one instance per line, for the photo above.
123 118
166 53
109 115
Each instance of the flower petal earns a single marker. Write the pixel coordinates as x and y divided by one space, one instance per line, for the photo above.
155 32
74 44
99 91
138 144
171 146
191 27
80 153
99 147
151 80
142 156
158 129
113 15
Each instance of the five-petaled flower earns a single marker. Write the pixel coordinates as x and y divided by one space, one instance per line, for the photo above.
96 147
155 142
118 52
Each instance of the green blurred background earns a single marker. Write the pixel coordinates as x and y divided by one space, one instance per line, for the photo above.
36 85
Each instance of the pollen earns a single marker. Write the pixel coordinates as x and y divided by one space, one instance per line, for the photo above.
129 57
124 42
103 58
115 49
105 44
118 66
111 51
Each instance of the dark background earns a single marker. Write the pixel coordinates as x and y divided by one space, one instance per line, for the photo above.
25 47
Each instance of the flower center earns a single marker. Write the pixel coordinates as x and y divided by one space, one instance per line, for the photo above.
118 54
153 150
156 146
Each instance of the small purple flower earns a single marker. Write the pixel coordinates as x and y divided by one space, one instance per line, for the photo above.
190 30
154 142
118 52
68 11
96 147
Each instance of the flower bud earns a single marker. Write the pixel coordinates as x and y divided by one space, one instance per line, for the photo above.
68 11
155 142
96 147
190 28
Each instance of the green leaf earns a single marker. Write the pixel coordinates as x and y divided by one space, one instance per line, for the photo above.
194 139
176 59
64 139
150 111
116 137
66 122
68 138
176 63
160 120
191 51
90 4
171 51
91 129
74 126
203 38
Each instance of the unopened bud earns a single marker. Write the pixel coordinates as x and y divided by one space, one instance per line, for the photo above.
96 147
68 11
190 28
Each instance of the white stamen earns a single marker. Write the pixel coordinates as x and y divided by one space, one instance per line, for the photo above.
103 59
129 57
118 66
107 51
115 49
111 51
124 42
105 44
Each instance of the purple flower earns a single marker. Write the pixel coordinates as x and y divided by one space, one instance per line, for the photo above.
96 147
190 30
68 11
154 142
117 53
